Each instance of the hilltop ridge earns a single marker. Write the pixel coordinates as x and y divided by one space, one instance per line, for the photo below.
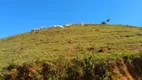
51 44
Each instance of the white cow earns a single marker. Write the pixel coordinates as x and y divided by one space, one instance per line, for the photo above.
67 25
81 23
58 26
41 27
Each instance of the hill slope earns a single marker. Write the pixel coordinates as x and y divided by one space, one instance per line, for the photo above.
50 45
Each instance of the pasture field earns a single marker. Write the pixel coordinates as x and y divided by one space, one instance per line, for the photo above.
89 52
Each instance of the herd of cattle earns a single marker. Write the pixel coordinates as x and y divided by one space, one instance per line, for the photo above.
60 26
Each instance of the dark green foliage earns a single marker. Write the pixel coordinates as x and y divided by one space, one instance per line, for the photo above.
86 67
11 66
104 22
108 20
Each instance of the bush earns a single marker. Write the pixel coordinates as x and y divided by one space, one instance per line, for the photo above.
103 22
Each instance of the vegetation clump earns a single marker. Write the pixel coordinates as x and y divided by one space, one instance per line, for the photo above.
82 67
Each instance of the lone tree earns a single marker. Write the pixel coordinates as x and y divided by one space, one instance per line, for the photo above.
108 20
105 22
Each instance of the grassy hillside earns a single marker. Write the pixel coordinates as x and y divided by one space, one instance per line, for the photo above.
74 48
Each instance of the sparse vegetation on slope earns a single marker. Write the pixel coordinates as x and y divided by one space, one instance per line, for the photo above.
73 53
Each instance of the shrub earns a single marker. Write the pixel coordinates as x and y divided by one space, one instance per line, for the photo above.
103 22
